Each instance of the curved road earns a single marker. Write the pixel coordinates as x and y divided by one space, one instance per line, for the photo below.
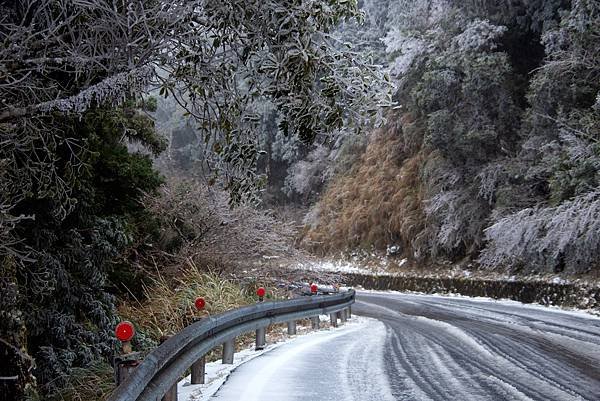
419 347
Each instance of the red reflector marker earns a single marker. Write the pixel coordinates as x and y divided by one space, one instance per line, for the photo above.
261 292
314 288
124 331
200 303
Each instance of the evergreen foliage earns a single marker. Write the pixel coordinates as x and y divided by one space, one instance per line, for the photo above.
65 298
560 155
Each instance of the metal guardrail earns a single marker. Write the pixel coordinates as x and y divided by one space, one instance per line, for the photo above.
162 368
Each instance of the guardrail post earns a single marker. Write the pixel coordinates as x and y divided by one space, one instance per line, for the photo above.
261 338
342 316
333 319
315 323
125 365
261 335
171 394
349 312
228 351
198 371
291 326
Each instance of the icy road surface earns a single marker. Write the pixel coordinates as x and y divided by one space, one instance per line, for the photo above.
420 347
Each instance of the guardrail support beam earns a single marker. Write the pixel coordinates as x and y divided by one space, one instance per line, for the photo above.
349 310
315 323
228 351
291 327
261 338
333 319
150 380
198 371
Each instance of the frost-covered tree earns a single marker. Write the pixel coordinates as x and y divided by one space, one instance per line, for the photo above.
460 89
309 174
560 156
555 239
215 58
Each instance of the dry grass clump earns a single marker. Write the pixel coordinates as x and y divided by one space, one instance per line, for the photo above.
169 305
92 383
378 203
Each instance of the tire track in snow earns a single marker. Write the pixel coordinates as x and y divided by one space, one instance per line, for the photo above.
406 367
491 353
529 316
416 353
530 376
359 358
502 362
537 341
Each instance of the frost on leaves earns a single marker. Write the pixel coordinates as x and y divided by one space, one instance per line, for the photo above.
478 36
114 90
489 177
549 238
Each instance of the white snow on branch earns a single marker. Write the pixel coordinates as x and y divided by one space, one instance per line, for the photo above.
569 234
113 89
409 48
488 179
479 35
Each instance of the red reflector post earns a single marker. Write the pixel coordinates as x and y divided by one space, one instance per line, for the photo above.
314 288
261 293
124 331
200 303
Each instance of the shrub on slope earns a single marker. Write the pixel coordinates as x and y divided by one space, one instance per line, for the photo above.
377 203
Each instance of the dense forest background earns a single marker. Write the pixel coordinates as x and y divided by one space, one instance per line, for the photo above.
144 145
491 154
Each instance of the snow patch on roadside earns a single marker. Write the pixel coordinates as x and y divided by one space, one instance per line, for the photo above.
216 375
334 267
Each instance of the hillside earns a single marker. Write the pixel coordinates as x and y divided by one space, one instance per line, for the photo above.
492 152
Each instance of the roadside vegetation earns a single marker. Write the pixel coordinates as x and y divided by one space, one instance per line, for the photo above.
164 307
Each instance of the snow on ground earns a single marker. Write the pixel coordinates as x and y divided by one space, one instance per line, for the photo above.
459 348
345 364
585 313
373 264
218 373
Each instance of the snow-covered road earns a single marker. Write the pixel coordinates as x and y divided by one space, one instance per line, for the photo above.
418 347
